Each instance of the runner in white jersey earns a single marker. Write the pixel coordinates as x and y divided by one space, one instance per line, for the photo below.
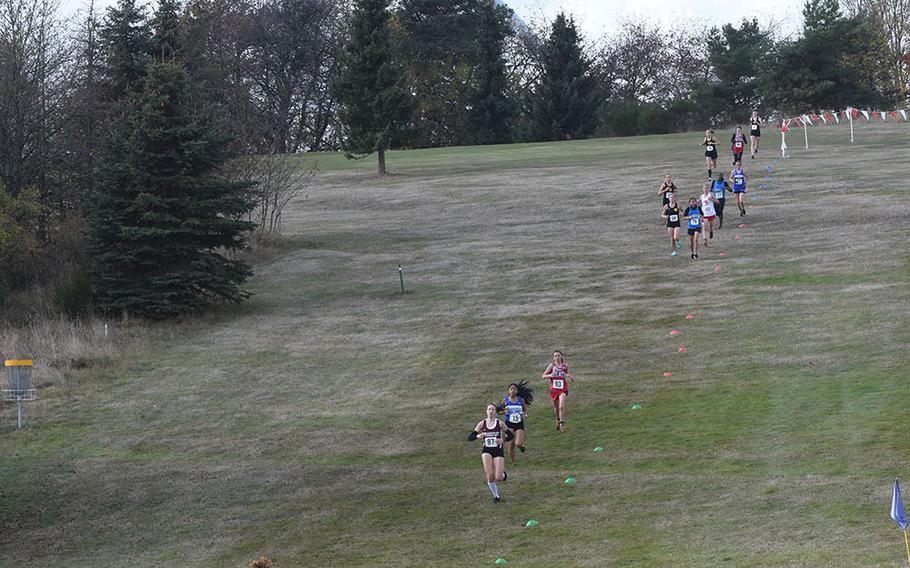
707 206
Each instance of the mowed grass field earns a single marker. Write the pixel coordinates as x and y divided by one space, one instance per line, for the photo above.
324 422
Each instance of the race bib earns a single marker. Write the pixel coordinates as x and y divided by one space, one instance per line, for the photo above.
490 442
558 384
754 127
674 218
739 144
514 418
710 148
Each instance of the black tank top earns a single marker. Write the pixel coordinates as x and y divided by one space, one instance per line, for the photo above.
491 435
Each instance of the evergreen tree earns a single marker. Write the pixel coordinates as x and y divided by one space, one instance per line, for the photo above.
564 105
829 67
161 214
126 44
372 94
165 42
738 57
491 108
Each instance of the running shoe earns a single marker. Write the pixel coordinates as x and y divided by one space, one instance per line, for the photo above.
522 448
497 499
711 234
673 253
696 256
505 475
678 245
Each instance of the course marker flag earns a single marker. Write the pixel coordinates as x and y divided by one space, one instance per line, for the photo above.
635 406
683 349
690 317
899 515
501 561
668 374
570 480
531 523
599 449
674 332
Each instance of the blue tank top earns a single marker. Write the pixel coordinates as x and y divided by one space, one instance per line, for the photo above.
513 410
694 214
739 179
718 189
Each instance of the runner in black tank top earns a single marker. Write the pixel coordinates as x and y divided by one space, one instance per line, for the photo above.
710 144
492 432
755 124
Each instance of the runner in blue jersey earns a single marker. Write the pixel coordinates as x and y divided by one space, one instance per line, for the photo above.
739 177
515 405
694 217
718 189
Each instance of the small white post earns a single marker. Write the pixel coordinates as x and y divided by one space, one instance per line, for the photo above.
850 116
806 133
105 331
783 144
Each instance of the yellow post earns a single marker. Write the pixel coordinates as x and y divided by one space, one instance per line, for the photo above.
907 545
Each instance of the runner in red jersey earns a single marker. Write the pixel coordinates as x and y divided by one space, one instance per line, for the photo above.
558 374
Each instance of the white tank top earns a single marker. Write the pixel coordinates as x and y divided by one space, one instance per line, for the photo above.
707 206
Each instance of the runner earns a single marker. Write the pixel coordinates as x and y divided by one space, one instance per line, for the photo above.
694 215
557 372
718 189
666 189
672 214
707 206
738 144
739 177
515 404
755 133
710 144
491 430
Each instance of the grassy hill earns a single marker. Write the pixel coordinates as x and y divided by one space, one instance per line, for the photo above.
323 423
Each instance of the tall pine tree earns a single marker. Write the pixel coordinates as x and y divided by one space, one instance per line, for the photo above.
162 215
165 40
126 46
492 110
371 89
564 105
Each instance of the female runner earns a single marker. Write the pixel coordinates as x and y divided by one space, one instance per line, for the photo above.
738 144
739 177
672 214
693 215
666 189
755 133
710 144
718 189
707 207
557 372
515 404
491 431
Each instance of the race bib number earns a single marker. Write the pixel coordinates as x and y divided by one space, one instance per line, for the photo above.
710 148
674 218
490 442
739 144
754 127
558 384
515 418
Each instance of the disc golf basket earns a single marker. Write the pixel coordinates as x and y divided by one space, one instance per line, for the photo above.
20 383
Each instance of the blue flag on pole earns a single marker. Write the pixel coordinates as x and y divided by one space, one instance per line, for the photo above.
897 507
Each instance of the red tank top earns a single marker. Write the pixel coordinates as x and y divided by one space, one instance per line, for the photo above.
558 377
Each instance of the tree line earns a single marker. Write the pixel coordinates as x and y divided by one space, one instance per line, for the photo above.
140 146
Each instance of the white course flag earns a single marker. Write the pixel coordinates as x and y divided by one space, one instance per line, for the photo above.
883 115
904 114
865 113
